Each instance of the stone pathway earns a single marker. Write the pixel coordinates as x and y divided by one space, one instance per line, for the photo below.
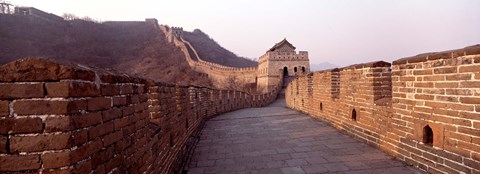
275 139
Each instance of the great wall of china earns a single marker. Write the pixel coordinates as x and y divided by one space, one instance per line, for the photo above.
424 110
73 119
59 118
218 73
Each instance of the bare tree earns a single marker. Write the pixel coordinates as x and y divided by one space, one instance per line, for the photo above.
69 16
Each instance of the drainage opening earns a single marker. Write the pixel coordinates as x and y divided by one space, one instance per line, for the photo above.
354 115
427 135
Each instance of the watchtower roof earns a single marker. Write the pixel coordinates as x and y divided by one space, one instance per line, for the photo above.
280 44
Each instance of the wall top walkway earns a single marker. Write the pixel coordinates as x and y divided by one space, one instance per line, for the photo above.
274 139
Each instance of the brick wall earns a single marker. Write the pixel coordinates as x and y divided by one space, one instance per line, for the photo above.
423 110
64 118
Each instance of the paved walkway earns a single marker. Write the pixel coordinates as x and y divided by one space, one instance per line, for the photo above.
275 139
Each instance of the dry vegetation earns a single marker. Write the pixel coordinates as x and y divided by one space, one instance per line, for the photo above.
134 47
211 51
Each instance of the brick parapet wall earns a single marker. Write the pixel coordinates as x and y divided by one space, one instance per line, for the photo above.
65 118
436 89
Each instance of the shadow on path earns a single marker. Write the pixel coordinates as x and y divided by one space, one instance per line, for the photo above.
275 139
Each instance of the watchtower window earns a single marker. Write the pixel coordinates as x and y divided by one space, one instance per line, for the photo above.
354 115
285 71
303 69
295 69
321 106
427 135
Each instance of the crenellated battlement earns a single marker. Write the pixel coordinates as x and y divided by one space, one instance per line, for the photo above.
71 118
423 110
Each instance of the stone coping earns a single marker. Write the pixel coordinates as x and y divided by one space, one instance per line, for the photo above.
470 50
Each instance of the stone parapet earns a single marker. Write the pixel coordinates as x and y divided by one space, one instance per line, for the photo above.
423 110
69 118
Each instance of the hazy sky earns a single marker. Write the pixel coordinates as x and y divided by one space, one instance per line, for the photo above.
341 32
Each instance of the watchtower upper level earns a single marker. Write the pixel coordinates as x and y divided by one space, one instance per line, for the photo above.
284 51
177 31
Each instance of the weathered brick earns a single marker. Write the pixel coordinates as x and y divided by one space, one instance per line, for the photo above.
469 84
83 166
470 100
129 110
446 98
38 143
85 150
99 103
111 89
457 77
447 70
472 163
434 78
476 156
41 107
474 132
102 156
126 89
122 122
52 160
119 101
100 130
466 92
80 137
4 108
111 114
424 97
457 166
72 89
423 72
115 162
457 136
446 84
100 169
19 162
112 138
86 120
473 68
462 122
476 125
21 90
56 124
3 144
21 125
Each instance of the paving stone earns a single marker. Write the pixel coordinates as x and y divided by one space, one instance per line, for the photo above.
275 139
292 170
335 167
296 162
316 168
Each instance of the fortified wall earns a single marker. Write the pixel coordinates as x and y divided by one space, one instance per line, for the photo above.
424 110
220 74
58 118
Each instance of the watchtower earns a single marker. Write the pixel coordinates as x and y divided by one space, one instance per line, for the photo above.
177 31
281 61
5 7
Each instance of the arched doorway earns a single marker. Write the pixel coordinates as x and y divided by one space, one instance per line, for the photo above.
295 69
285 71
303 69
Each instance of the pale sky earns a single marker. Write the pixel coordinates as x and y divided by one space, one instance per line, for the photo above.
341 32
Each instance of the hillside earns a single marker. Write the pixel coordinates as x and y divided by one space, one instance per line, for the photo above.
211 51
133 47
